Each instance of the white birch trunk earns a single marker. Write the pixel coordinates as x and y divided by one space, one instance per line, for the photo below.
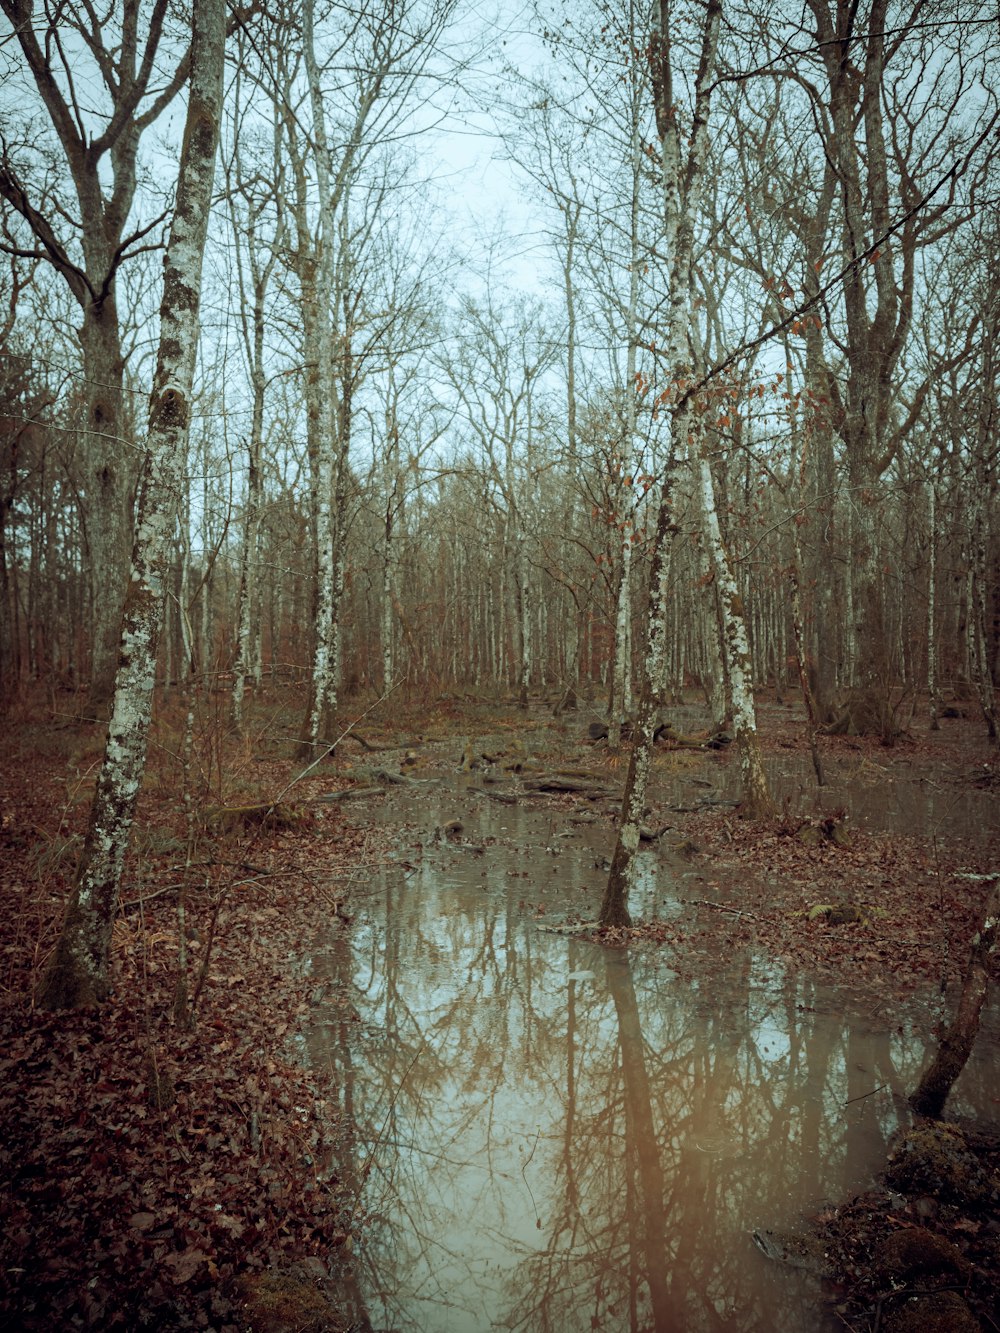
756 795
385 628
682 185
621 686
77 973
526 600
247 613
621 876
248 633
393 485
715 648
318 387
621 668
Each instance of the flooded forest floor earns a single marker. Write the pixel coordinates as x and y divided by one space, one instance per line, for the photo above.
156 1174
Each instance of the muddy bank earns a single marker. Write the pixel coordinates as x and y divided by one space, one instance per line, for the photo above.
150 1173
753 1093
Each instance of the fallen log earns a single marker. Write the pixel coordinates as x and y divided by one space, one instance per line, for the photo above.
347 794
228 818
561 782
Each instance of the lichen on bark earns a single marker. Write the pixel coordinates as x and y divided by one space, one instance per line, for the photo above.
77 972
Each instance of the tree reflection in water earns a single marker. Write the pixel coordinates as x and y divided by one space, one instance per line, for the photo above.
565 1137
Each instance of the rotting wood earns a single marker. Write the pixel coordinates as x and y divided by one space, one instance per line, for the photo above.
228 818
559 782
346 794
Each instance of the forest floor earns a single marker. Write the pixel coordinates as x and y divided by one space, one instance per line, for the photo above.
158 1174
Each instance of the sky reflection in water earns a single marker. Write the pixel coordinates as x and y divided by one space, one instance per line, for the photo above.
565 1137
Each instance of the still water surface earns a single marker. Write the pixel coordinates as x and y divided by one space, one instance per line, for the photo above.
557 1136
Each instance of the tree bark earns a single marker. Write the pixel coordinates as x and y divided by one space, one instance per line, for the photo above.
757 800
624 492
253 313
316 267
932 643
621 876
109 478
956 1045
77 973
682 185
102 167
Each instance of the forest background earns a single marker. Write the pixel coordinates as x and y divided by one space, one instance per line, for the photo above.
462 431
431 442
737 426
354 358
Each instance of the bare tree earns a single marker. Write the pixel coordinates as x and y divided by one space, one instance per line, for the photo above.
682 181
88 243
256 206
502 353
77 973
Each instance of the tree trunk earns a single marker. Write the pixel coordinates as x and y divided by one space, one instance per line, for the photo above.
252 323
798 630
621 679
956 1045
932 647
621 876
981 489
109 480
526 606
77 973
100 159
315 256
717 689
682 184
757 800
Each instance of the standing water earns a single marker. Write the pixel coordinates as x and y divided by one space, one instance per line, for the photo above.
548 1134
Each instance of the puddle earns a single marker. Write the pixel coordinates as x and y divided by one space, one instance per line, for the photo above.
556 1136
881 797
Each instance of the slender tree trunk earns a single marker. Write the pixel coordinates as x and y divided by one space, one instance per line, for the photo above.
798 630
757 800
110 471
932 647
980 656
717 690
316 278
526 605
388 566
393 482
682 185
77 973
249 614
339 519
574 623
956 1044
621 876
621 679
248 611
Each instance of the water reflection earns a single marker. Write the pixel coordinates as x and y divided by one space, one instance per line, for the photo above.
555 1136
880 797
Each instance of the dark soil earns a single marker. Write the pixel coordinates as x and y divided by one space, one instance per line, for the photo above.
169 1176
921 1251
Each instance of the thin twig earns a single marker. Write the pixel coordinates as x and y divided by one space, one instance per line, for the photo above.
861 1096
